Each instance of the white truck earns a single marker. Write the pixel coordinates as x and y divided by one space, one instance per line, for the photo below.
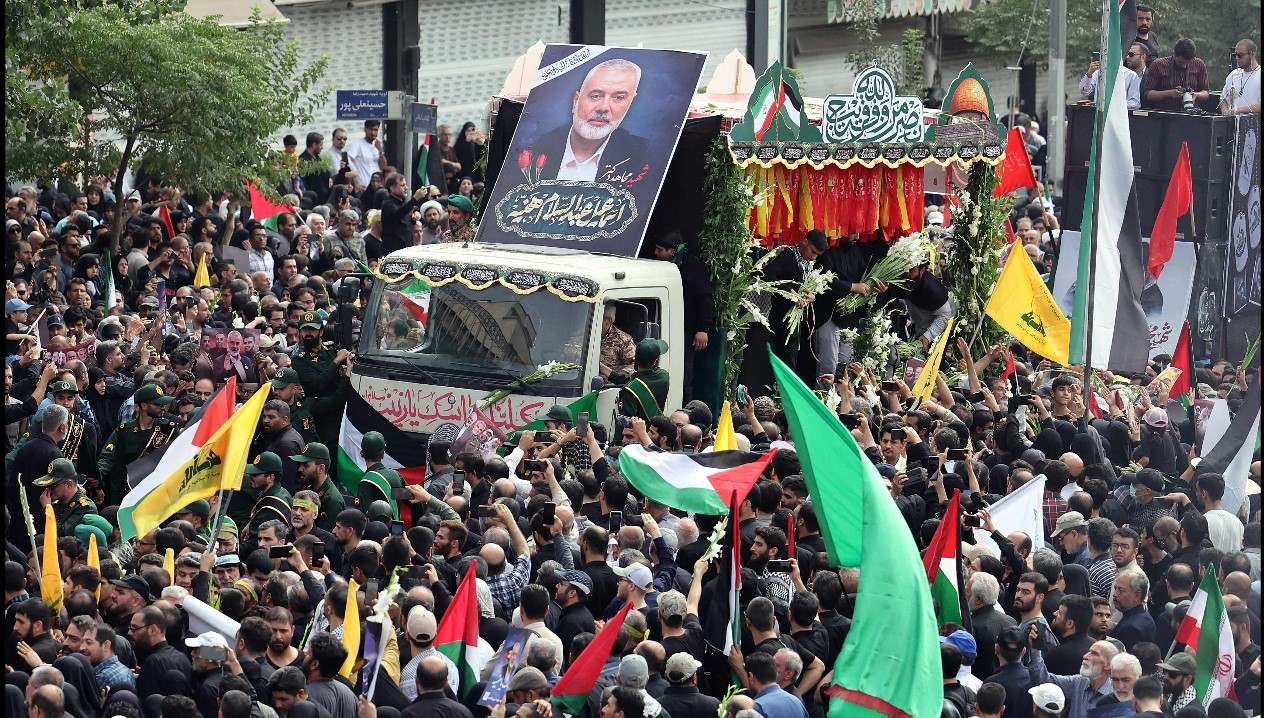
453 322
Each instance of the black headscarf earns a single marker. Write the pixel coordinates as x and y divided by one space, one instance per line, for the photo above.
1076 578
14 701
77 672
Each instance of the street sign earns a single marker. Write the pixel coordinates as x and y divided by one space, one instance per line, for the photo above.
369 105
425 118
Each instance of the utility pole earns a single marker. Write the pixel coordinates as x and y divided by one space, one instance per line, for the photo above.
1057 96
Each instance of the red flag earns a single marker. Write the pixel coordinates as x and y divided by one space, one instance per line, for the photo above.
1009 232
1009 367
1178 201
164 215
1093 407
261 207
570 693
949 199
1014 171
1180 359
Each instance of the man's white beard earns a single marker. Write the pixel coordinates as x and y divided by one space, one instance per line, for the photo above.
1089 671
594 132
1123 697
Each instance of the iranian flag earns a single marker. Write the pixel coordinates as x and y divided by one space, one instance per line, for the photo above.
770 101
1111 260
416 299
457 634
943 566
692 482
571 692
1217 656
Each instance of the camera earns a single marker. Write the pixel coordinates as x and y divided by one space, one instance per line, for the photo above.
973 521
851 421
779 565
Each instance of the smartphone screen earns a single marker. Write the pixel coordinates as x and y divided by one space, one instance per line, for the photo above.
548 513
581 424
458 482
616 520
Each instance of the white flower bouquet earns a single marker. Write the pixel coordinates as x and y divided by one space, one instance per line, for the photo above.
908 252
815 282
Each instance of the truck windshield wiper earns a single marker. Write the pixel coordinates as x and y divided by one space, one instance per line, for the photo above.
515 382
422 370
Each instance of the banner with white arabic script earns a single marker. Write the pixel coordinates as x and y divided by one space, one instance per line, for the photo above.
592 148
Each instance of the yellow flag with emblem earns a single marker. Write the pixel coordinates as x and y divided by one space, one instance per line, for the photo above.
1024 307
169 564
94 558
925 383
50 564
203 277
724 438
351 629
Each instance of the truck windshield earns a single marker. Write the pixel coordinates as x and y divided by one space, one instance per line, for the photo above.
452 328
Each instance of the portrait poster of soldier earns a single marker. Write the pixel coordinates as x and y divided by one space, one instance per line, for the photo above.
592 147
231 352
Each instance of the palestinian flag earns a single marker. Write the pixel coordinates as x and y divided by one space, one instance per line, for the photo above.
1112 257
1182 388
723 627
791 107
457 634
404 453
692 482
1217 657
943 567
1231 456
571 693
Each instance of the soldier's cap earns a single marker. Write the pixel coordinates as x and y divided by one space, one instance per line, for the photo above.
265 463
201 507
380 511
559 413
681 667
461 202
228 529
153 393
133 583
84 531
58 471
312 452
310 320
649 349
64 385
373 443
285 376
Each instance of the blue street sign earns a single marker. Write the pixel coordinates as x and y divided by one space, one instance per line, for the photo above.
363 104
425 118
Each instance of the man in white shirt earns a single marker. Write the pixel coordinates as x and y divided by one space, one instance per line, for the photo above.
1241 93
366 155
1133 72
1223 528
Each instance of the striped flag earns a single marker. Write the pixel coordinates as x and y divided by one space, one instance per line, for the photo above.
110 301
1217 656
1111 259
770 100
457 634
1232 454
404 453
571 692
943 566
692 482
208 456
722 628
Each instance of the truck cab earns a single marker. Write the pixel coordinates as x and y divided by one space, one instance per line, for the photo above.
445 324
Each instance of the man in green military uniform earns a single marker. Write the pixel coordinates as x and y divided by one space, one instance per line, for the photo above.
82 441
313 473
286 387
272 501
318 366
197 513
378 481
645 390
148 432
62 490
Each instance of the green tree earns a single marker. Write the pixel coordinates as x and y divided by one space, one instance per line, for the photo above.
93 88
1000 26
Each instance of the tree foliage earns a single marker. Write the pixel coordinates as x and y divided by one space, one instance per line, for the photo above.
999 26
93 88
903 59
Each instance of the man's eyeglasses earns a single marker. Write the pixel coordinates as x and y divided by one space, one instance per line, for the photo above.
1133 54
1236 55
141 627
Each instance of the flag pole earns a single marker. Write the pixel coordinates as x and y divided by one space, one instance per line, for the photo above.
219 513
1099 127
30 528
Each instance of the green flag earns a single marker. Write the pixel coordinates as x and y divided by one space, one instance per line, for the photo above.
587 402
890 663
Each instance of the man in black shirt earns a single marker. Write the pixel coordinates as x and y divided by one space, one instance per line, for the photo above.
148 631
397 213
574 591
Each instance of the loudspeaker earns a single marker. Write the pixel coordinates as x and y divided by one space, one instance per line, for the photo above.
1148 148
1156 141
1210 204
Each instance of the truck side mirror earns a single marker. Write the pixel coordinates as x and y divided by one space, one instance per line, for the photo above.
597 384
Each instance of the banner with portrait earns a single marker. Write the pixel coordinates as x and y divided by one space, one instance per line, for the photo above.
479 434
592 147
84 352
1165 301
1242 266
231 352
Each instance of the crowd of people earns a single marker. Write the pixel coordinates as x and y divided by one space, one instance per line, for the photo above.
107 361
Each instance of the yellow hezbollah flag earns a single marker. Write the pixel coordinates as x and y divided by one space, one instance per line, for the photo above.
202 278
925 383
1023 306
50 570
169 564
198 472
94 558
351 629
724 439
